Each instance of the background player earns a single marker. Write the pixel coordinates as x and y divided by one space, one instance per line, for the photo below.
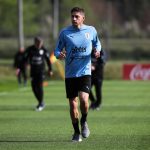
20 65
97 80
36 55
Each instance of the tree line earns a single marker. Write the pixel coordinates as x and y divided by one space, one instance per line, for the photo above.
38 14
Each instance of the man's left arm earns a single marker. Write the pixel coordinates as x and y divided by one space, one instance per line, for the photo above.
96 44
47 58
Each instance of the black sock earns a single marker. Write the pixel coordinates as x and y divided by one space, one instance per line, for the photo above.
83 118
76 127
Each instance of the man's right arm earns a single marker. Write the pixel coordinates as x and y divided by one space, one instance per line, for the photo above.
15 61
58 52
26 55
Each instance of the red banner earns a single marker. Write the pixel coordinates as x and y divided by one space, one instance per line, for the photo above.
136 71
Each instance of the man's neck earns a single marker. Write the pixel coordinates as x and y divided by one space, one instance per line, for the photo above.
78 27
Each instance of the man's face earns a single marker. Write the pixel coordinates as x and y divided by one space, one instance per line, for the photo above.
77 19
38 44
21 50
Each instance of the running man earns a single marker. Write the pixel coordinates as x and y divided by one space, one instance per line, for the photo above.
75 45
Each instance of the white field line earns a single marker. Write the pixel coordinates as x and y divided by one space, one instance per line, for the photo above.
19 89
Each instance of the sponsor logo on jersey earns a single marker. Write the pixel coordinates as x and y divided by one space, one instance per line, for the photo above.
41 52
79 49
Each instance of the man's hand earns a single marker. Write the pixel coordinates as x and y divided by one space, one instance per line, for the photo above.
96 53
50 73
17 71
92 67
62 55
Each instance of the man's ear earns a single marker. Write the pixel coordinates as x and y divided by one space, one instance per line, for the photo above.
83 18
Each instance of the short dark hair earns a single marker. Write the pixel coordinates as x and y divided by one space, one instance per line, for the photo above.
77 9
38 39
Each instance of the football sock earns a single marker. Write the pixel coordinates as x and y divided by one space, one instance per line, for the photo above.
83 118
76 127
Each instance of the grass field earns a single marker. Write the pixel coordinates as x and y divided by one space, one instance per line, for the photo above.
123 123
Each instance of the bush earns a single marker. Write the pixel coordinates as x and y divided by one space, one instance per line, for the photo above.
113 71
137 53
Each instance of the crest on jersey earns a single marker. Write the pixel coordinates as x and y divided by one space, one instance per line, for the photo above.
41 52
87 35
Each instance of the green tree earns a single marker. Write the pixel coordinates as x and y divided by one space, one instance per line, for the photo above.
67 5
8 15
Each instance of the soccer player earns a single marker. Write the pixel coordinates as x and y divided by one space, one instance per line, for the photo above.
20 66
97 80
37 55
75 46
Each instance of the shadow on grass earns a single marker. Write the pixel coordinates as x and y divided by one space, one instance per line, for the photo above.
32 108
65 107
34 141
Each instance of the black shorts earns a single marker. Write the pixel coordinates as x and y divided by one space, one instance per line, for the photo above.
75 85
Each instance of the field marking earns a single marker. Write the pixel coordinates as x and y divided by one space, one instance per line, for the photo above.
63 104
124 105
20 90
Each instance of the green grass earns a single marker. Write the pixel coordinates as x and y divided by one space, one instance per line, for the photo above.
123 123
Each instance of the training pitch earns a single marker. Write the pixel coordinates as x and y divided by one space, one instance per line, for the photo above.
123 122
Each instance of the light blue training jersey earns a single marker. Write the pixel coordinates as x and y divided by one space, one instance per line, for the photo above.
78 44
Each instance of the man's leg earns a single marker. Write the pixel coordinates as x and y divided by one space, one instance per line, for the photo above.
24 76
84 105
98 86
74 114
19 78
91 96
37 88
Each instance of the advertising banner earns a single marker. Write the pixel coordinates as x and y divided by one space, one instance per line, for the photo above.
136 71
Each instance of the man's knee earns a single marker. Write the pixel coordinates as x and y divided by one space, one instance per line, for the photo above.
74 108
83 97
73 103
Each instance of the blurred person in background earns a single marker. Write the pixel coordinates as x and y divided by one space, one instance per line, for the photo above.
36 55
77 40
20 66
97 68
